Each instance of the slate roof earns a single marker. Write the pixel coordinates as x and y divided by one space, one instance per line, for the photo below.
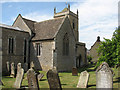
29 23
47 29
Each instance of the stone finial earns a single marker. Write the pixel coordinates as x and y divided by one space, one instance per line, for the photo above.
98 38
55 10
68 6
77 12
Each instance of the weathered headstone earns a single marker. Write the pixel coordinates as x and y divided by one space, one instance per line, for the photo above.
19 78
32 64
40 76
32 79
18 67
53 80
83 80
12 70
74 71
104 76
8 66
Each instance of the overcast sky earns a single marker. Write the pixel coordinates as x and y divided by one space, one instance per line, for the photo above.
96 17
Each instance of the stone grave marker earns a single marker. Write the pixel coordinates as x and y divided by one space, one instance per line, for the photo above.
32 79
12 70
104 76
18 67
74 71
40 76
32 64
83 80
53 80
19 78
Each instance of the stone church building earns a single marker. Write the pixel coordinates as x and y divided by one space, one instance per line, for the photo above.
93 50
50 43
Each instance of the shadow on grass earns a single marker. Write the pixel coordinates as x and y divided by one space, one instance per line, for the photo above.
91 85
24 86
63 84
117 81
43 79
7 77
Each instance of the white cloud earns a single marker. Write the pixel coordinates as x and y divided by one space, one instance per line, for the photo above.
37 16
96 17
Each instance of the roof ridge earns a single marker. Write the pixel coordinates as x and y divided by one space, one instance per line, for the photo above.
49 20
29 19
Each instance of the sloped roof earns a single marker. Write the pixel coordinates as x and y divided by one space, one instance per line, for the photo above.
29 23
47 29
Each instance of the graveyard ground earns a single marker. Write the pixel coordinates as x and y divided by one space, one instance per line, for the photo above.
66 78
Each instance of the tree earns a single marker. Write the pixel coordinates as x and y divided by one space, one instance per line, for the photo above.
109 50
89 58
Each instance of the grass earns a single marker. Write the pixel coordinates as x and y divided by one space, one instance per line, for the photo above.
66 78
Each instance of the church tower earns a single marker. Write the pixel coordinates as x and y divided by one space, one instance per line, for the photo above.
72 17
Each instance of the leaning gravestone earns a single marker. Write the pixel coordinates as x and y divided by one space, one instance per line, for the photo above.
19 78
40 76
74 71
53 80
32 79
12 70
104 76
83 80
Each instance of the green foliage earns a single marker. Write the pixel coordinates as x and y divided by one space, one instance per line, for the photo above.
109 50
89 58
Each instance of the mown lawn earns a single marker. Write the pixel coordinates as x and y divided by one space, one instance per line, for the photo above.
66 78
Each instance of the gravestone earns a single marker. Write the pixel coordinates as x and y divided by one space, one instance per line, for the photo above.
33 67
74 71
32 79
104 76
53 80
32 64
40 76
8 67
83 80
18 67
12 70
19 78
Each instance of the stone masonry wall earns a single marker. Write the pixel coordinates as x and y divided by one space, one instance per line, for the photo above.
65 63
18 48
45 60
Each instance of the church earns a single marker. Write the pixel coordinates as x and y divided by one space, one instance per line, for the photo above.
50 43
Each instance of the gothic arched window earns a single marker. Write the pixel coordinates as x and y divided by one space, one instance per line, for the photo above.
66 45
